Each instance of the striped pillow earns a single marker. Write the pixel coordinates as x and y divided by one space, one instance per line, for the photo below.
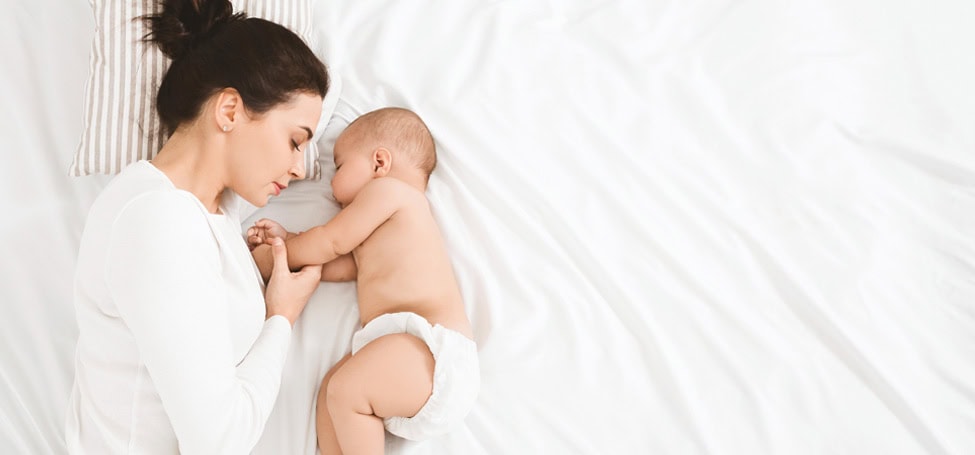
121 124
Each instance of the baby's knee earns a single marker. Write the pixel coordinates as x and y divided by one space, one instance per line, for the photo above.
323 389
322 399
342 392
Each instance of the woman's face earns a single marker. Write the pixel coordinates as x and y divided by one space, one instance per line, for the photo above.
267 151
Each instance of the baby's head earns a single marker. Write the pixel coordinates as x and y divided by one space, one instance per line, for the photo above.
390 142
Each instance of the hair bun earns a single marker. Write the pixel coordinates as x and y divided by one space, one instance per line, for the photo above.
182 24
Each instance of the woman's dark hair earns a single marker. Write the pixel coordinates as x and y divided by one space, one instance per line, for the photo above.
212 49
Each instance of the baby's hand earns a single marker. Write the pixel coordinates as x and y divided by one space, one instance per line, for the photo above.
263 231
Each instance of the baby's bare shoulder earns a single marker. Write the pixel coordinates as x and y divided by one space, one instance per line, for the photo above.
384 185
390 188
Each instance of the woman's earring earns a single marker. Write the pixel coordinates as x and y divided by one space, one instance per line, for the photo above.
225 128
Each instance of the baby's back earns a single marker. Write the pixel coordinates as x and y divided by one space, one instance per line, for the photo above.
404 266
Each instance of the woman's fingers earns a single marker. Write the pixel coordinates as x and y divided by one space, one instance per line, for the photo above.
279 254
311 273
287 293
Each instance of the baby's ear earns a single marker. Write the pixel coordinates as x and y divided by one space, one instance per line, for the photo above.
382 161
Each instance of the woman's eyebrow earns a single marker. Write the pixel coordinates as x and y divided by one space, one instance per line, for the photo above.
307 130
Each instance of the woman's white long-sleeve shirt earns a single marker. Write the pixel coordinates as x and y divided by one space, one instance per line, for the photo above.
174 353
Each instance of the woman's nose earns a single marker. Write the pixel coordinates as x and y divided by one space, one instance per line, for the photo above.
297 170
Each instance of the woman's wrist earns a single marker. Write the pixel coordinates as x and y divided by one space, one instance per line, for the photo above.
291 321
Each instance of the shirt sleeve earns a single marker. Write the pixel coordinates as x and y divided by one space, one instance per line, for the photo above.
164 276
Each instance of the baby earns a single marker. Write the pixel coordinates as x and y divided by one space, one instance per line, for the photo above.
413 366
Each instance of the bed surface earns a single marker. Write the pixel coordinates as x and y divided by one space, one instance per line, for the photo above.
723 227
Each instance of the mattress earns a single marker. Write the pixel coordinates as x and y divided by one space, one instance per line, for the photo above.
733 227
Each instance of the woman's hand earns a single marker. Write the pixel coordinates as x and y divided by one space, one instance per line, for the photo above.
287 293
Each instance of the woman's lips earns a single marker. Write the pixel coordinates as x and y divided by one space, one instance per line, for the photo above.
277 188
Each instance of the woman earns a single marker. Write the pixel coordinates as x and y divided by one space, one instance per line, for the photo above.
180 347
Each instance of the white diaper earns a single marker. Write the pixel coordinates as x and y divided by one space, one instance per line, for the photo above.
456 374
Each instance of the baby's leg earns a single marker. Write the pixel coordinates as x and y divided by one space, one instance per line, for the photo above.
390 376
323 422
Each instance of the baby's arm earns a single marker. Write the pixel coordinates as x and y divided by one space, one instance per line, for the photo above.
263 230
342 268
376 202
379 200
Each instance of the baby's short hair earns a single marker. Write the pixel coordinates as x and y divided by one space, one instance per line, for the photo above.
403 131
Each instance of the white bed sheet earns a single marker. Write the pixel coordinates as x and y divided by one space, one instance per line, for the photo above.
680 227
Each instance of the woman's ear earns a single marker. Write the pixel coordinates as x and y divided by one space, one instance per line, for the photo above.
382 161
227 109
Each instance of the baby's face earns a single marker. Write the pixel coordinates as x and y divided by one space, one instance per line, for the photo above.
354 168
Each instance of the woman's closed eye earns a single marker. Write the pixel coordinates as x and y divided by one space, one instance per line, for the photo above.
294 145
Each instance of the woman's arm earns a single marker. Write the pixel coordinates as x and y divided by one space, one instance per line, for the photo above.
164 275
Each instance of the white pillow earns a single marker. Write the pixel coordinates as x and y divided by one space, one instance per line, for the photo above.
121 124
